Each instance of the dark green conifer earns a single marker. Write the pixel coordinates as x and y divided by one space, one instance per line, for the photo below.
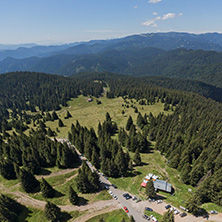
46 189
129 123
150 190
60 123
52 212
137 158
73 197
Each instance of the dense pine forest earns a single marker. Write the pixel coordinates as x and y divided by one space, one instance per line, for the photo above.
190 137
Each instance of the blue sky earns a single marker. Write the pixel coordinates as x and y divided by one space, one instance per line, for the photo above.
65 21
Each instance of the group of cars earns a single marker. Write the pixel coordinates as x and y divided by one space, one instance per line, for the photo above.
175 211
113 195
151 218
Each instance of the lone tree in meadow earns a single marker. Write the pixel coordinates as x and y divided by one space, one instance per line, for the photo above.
60 123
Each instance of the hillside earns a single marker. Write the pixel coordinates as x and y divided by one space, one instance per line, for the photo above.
199 65
181 131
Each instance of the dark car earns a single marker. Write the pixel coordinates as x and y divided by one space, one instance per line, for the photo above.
114 186
148 209
125 194
183 214
167 206
145 217
128 197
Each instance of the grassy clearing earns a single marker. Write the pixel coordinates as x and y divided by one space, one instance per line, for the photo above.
154 163
114 216
89 114
61 185
35 215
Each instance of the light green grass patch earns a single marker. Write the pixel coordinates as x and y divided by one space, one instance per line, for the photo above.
114 216
89 114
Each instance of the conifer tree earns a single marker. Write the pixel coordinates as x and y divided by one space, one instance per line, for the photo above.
28 181
132 219
49 132
137 158
150 190
95 159
46 189
68 115
168 216
52 212
60 123
54 115
73 197
129 123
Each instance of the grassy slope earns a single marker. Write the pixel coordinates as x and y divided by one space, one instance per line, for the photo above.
114 216
90 114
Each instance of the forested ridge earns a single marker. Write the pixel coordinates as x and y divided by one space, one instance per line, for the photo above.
190 137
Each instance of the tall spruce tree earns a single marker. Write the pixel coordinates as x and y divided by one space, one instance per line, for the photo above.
46 189
129 123
73 197
52 212
29 183
150 190
137 158
60 123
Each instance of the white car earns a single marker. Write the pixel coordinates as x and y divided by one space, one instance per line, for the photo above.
159 201
110 192
213 212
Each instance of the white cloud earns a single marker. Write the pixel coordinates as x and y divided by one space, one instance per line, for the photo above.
154 1
154 25
150 22
169 16
155 13
136 6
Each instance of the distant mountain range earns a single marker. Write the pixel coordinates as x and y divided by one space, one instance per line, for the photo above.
180 55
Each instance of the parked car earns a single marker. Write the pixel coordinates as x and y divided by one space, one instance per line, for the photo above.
159 201
148 209
205 216
183 214
145 217
114 186
128 197
176 212
126 210
106 187
138 200
125 194
213 212
167 206
134 198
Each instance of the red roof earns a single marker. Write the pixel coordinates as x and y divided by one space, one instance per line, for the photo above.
143 184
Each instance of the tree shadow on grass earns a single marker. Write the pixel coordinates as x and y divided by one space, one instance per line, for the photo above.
133 173
24 214
58 194
44 172
65 217
82 201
